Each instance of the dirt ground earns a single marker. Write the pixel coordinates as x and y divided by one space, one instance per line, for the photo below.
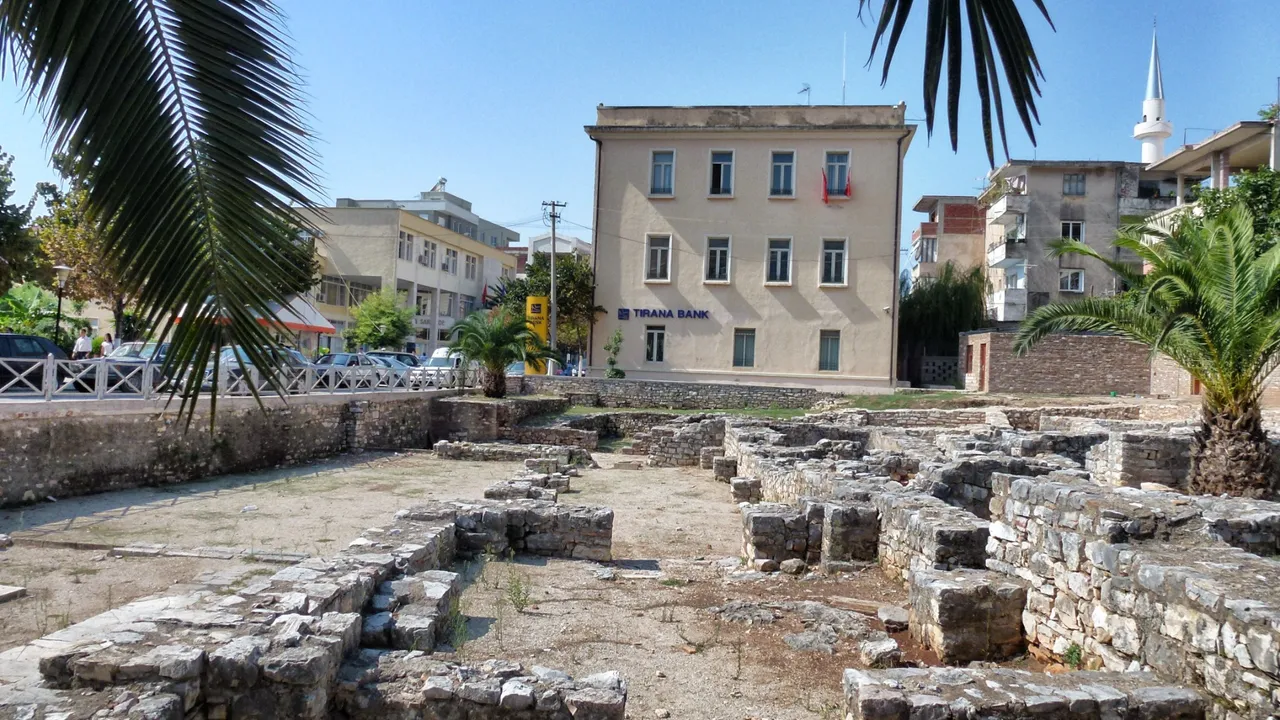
676 539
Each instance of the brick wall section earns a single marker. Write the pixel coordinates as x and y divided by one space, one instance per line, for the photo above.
964 219
62 452
1060 364
671 394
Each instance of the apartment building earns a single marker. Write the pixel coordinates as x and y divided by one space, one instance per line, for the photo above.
565 245
955 233
448 211
1032 203
442 274
749 244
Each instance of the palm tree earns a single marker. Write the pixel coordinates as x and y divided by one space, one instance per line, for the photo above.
997 34
494 339
1211 302
185 115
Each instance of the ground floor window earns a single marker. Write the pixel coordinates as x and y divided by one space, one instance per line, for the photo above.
744 347
655 343
829 350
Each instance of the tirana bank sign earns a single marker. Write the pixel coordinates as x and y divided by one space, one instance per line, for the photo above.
657 313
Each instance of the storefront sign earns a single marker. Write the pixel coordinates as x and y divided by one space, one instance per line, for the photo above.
536 311
657 313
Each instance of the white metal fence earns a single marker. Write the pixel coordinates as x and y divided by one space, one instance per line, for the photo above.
100 378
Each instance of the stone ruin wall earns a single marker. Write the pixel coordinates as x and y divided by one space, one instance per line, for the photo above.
350 636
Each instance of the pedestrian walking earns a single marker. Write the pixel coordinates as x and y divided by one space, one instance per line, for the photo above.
83 347
108 345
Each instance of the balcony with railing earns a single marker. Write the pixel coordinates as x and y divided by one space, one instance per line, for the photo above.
1007 304
1010 249
1008 208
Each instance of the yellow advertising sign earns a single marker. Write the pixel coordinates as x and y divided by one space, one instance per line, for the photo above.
536 311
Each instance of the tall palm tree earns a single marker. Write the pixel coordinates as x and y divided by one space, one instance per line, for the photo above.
185 112
997 35
494 339
1211 302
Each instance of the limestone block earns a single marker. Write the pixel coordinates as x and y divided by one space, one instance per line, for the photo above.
966 615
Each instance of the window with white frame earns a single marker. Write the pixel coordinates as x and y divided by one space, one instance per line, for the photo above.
428 257
927 251
1071 281
404 250
1073 230
471 262
744 347
829 350
1073 183
450 264
658 259
466 304
833 259
446 304
722 172
717 260
779 270
655 343
838 173
782 174
662 172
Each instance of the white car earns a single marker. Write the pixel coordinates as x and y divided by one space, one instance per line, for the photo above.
445 369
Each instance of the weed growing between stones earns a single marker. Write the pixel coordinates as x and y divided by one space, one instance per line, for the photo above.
519 590
455 627
1073 657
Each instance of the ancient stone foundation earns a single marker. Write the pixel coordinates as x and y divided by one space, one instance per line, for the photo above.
966 615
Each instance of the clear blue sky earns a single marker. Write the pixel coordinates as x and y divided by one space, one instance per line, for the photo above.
493 95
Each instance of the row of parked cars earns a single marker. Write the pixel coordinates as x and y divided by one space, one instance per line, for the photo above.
125 367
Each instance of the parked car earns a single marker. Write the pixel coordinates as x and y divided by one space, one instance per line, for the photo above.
515 369
415 377
126 364
21 358
405 358
358 369
445 368
287 371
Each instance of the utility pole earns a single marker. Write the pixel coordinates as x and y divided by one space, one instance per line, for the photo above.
551 332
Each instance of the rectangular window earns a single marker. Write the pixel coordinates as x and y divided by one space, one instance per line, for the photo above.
838 173
722 172
833 262
928 250
781 183
655 343
1071 281
744 347
405 248
471 267
658 259
1073 229
662 172
428 256
829 350
717 260
1073 184
446 304
450 264
466 305
779 261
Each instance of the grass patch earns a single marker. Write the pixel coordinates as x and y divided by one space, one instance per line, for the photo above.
673 582
775 413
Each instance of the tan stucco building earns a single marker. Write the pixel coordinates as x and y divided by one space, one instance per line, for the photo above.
752 244
441 273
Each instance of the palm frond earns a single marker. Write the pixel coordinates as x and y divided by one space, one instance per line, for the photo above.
186 112
997 35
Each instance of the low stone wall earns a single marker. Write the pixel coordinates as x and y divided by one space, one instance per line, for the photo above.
966 483
1066 364
347 636
1137 579
967 615
620 424
508 452
70 449
680 444
923 533
1132 458
1029 418
962 693
585 439
673 394
480 419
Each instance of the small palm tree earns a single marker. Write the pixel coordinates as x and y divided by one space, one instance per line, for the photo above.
1211 302
493 339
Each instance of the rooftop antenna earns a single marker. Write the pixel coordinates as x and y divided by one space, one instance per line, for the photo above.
808 99
844 66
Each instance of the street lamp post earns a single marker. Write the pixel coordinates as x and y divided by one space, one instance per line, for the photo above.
63 272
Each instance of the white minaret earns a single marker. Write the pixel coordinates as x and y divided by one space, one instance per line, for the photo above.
1154 128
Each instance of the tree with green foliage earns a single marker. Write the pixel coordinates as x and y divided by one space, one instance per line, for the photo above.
999 41
494 339
576 310
382 321
188 114
935 310
1211 303
1258 190
17 247
30 309
614 346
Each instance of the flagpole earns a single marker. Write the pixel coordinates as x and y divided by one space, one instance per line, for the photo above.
844 66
